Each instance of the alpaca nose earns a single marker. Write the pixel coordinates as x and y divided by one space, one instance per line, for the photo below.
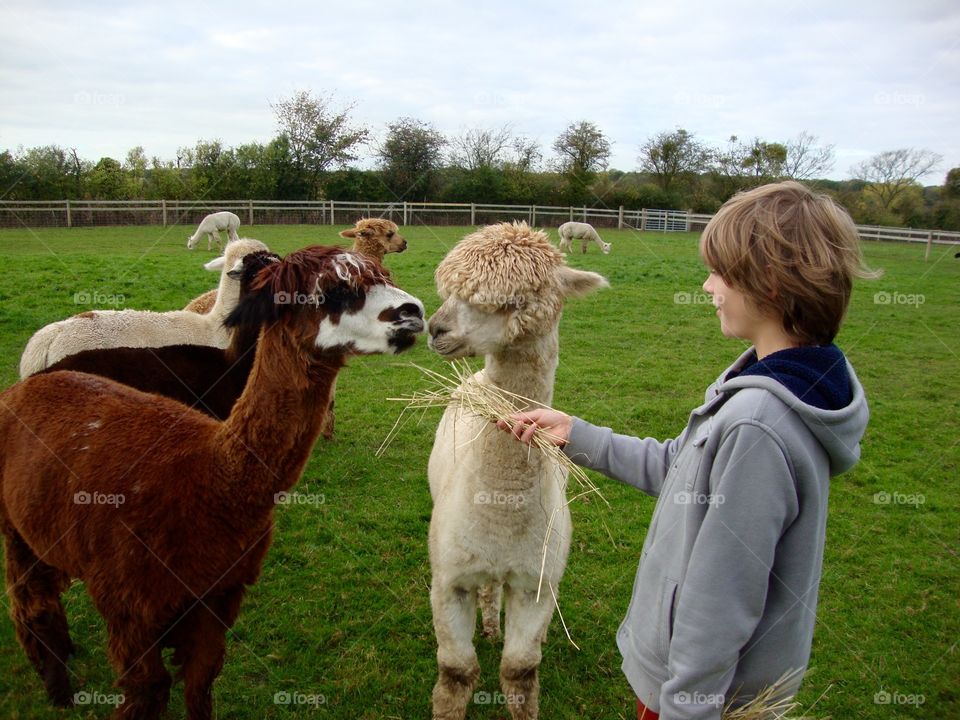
435 328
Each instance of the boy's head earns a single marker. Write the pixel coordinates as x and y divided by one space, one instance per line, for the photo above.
794 253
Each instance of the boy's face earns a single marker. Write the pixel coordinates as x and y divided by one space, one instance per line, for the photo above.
739 317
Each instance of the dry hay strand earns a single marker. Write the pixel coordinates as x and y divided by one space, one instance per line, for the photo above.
775 702
487 401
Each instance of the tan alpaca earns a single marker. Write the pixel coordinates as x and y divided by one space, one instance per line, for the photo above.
503 289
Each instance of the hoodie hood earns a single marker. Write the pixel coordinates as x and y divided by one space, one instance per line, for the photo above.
838 430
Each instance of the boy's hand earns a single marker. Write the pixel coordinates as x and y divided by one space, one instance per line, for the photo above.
555 425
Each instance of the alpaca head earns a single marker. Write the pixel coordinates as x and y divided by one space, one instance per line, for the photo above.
331 300
375 237
606 248
502 285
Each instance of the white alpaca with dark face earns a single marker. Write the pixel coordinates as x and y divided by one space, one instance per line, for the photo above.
386 323
503 288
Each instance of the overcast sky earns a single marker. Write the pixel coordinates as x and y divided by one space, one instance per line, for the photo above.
863 76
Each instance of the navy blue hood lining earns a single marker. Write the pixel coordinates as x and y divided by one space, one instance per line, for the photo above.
817 374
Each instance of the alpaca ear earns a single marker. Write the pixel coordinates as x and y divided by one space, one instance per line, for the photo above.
349 233
236 272
257 308
577 283
216 265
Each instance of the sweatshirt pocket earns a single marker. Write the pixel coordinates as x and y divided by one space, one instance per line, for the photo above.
665 615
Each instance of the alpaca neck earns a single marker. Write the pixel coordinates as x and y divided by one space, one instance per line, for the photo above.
228 295
527 368
270 433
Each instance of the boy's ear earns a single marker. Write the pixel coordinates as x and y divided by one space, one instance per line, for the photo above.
349 233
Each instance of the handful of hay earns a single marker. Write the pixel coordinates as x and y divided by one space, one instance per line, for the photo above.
773 702
486 401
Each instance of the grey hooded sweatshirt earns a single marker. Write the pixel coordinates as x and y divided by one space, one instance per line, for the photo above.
725 598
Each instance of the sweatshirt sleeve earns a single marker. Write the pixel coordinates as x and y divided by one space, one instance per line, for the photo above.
641 463
753 499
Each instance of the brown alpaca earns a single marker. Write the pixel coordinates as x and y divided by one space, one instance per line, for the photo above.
375 237
163 512
202 377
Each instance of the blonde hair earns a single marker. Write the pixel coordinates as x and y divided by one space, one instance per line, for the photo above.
794 253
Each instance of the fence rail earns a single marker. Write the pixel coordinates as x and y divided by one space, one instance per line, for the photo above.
88 213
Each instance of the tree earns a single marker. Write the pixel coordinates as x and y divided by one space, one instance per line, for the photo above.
106 180
765 160
410 156
806 159
480 148
582 151
951 184
669 156
892 172
318 138
582 148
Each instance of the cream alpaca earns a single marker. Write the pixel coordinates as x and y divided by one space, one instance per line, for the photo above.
584 232
211 226
142 328
503 289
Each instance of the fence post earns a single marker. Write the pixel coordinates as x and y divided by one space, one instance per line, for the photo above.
584 213
163 212
250 209
620 219
688 220
69 219
331 212
643 219
571 213
926 255
473 213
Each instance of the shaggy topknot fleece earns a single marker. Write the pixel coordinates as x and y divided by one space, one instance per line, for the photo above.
506 266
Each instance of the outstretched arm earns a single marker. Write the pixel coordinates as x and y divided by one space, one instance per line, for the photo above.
642 463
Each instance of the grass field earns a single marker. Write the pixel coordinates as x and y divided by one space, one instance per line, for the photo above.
340 619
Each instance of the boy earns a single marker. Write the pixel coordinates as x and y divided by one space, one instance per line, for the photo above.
724 601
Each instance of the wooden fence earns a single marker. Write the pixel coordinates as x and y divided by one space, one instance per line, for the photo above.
87 213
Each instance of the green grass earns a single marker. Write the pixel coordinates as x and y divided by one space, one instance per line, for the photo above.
342 607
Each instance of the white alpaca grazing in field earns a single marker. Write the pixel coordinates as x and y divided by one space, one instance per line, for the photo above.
503 289
584 232
211 226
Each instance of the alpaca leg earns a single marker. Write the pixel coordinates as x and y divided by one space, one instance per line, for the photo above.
232 235
454 618
525 624
136 657
203 651
41 624
583 247
490 597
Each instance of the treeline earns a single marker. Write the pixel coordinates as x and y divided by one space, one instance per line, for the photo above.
315 152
